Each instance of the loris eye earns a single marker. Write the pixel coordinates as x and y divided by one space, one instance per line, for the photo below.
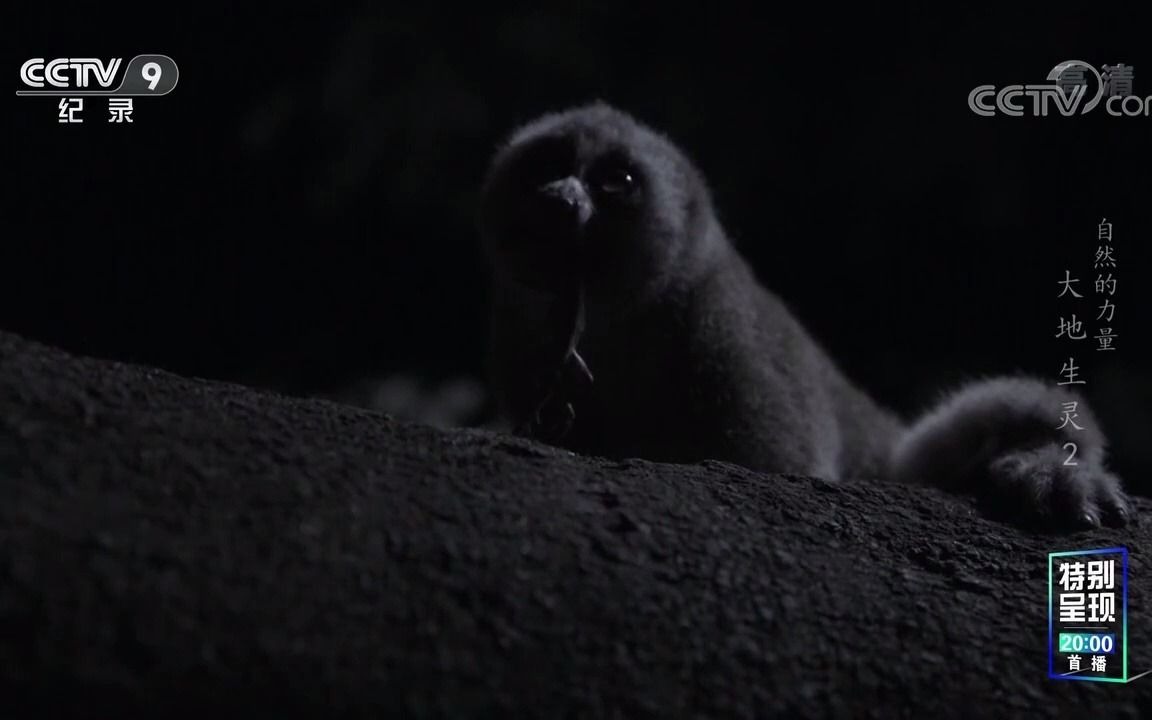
615 179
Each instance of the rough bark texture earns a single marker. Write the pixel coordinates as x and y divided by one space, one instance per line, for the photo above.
180 546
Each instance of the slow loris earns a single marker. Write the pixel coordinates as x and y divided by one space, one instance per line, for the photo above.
625 324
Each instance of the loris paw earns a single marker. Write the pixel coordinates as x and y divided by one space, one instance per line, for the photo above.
1037 487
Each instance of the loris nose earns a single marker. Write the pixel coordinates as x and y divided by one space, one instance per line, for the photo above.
570 197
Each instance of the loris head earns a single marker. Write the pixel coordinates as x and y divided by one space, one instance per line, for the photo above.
591 194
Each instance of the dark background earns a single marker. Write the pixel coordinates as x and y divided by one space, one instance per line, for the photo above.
299 213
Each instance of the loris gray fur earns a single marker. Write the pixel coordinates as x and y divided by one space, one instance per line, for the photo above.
608 255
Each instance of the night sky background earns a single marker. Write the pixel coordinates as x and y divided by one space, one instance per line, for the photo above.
299 214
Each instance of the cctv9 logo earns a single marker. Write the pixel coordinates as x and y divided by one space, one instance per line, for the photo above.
71 77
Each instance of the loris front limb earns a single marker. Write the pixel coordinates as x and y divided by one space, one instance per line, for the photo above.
1007 441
